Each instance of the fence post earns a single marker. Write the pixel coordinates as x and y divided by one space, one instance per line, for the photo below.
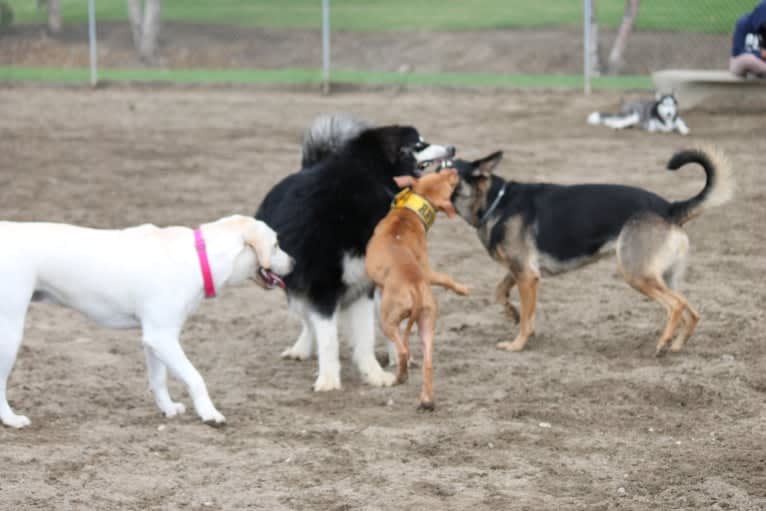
326 46
586 72
92 42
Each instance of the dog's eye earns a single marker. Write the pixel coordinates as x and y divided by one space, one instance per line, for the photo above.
420 146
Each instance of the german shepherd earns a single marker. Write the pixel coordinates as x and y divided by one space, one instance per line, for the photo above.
535 229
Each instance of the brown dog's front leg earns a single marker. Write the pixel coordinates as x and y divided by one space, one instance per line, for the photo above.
502 290
440 279
528 284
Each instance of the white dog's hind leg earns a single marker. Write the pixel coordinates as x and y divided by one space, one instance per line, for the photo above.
163 342
325 331
362 322
158 382
11 332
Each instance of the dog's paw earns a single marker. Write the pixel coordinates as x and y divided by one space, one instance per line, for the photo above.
380 378
213 418
175 409
16 421
292 354
327 382
462 290
426 406
511 346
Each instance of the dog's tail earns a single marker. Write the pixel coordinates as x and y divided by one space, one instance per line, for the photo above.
719 182
327 135
595 118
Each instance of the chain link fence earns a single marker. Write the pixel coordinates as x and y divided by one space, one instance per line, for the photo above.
453 41
673 34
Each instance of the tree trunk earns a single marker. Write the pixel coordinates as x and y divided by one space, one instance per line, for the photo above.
615 61
145 27
54 16
595 62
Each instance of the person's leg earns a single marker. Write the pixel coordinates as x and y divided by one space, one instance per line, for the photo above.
747 63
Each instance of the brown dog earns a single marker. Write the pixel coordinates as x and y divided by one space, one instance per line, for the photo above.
397 261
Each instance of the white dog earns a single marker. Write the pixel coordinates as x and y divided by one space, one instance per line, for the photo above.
144 276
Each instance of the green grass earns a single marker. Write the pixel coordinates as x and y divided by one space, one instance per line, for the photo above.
392 15
309 76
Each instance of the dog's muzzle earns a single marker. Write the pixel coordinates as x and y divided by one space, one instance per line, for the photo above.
427 154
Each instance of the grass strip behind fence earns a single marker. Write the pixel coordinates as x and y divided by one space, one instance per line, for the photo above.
311 76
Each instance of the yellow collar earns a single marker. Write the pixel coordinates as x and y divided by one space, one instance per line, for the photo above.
411 200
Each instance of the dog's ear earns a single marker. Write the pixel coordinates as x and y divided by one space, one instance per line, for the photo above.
262 239
484 166
405 181
393 140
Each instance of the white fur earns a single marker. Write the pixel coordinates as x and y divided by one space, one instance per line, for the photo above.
432 152
146 276
619 123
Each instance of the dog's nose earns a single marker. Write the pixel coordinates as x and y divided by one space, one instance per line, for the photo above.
450 150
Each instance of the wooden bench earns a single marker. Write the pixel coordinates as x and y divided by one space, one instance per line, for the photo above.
692 87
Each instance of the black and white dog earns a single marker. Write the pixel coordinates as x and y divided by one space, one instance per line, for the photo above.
535 229
657 115
324 216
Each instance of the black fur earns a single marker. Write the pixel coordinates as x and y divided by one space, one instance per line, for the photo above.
573 221
330 208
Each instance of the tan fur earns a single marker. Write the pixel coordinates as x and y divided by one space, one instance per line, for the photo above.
518 254
651 255
397 261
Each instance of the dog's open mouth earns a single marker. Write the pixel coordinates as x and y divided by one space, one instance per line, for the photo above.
431 156
435 164
269 279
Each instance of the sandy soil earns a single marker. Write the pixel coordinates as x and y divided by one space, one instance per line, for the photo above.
585 418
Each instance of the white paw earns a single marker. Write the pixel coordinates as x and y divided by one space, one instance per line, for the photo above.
380 378
175 409
295 354
326 382
16 421
213 417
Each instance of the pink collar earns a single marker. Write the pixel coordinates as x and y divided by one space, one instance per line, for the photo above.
204 265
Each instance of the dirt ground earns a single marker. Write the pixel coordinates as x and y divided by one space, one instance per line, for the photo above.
535 51
585 418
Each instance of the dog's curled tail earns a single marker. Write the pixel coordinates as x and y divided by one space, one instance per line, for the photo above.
719 182
327 134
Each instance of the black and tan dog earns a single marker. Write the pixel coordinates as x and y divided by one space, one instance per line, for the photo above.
536 229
